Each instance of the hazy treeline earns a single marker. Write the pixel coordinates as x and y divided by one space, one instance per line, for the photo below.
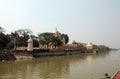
19 38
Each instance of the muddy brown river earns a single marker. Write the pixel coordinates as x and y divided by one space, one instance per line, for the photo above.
82 66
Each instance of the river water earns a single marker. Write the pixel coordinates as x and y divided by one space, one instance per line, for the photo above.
82 66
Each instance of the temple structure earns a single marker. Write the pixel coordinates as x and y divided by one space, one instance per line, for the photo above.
57 33
30 45
89 45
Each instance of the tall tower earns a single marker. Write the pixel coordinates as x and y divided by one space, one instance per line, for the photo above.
57 33
30 45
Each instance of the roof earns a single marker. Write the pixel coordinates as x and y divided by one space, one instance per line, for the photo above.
30 40
117 75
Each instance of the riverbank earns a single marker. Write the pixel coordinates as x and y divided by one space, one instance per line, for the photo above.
24 54
7 55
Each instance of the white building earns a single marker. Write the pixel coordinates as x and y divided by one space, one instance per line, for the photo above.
57 33
30 45
89 45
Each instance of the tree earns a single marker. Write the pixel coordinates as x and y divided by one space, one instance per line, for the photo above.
1 30
24 32
56 41
65 37
22 35
12 40
3 41
49 39
45 38
35 41
19 38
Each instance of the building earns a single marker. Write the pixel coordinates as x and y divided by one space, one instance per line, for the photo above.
89 45
57 33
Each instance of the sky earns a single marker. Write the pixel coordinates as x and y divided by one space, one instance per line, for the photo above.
96 21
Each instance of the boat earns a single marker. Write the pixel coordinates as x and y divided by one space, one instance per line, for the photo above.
116 75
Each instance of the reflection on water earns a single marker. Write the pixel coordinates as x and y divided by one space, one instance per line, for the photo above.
83 66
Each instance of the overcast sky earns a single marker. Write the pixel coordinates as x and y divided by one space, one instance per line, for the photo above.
96 21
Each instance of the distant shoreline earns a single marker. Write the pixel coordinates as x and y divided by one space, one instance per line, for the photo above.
24 54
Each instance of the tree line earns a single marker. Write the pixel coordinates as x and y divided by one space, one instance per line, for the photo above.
19 39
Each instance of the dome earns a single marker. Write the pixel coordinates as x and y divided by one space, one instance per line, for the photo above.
89 43
30 40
